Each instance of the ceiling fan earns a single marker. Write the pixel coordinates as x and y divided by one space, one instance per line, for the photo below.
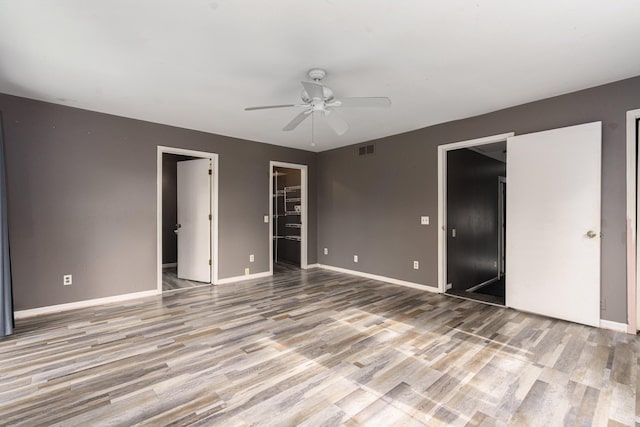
318 101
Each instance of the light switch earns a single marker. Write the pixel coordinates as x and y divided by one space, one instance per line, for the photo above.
424 220
266 219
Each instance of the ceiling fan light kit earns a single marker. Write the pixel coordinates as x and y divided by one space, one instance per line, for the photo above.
318 101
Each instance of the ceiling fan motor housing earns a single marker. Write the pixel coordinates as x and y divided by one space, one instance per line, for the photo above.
328 95
317 74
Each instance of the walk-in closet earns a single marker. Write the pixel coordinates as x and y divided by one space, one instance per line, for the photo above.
287 216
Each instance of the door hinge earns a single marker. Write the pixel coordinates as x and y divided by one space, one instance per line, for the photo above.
210 217
210 171
209 262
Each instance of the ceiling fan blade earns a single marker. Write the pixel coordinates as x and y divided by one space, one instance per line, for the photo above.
367 101
314 90
267 107
336 122
296 120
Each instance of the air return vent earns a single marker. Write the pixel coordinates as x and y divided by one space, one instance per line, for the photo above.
365 150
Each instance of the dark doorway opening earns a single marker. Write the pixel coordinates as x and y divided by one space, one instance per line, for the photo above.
476 218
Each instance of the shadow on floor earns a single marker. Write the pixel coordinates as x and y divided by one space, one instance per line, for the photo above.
493 293
171 282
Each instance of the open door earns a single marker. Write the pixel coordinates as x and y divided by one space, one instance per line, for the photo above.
553 227
194 220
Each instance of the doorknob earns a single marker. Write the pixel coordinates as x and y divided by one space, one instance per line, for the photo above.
591 234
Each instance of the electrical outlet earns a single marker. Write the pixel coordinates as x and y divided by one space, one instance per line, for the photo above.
246 271
355 258
449 286
416 265
266 219
252 258
424 220
453 232
67 279
326 251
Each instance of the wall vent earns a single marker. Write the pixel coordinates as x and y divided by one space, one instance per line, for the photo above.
365 150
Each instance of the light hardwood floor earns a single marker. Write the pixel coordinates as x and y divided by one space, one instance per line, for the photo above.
314 348
170 281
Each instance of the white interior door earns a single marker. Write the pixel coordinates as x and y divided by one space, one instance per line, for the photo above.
637 142
553 223
194 220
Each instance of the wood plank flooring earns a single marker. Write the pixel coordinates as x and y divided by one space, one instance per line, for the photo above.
171 282
314 348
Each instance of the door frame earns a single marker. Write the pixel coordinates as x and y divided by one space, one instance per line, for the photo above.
502 182
633 207
303 195
442 197
214 207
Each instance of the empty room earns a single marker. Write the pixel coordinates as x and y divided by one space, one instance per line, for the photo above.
319 213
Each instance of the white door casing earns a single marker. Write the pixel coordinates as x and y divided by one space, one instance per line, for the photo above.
502 184
553 223
442 196
635 228
194 220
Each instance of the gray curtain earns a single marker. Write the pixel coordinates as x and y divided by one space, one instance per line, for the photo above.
6 297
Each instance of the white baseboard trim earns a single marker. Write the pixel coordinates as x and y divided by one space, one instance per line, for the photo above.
313 266
613 326
170 264
23 314
243 278
381 278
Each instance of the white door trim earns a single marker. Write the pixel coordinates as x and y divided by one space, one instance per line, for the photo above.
442 196
214 207
502 180
633 203
304 216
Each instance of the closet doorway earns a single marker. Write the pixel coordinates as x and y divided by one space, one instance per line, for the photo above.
187 218
288 216
633 211
475 222
552 233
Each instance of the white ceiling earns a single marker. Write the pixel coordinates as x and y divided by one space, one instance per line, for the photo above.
197 64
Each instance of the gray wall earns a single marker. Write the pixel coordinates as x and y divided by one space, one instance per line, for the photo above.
82 186
472 209
82 200
371 205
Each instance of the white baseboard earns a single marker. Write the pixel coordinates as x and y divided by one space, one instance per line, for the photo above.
23 314
243 278
313 266
613 326
381 278
170 265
